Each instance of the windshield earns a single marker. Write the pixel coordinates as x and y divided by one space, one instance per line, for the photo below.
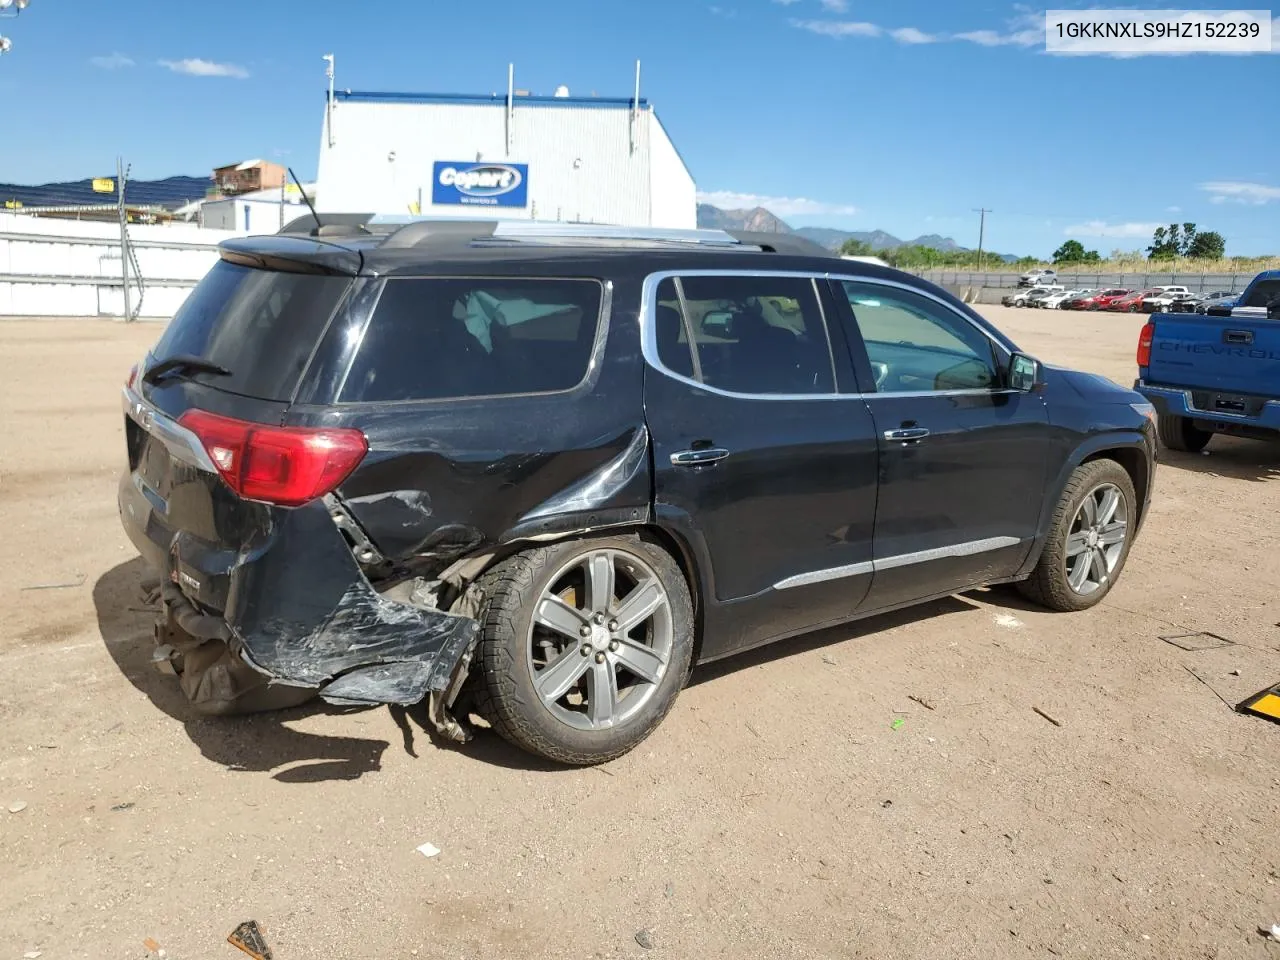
260 325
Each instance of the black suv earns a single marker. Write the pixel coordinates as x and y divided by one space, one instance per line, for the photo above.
536 472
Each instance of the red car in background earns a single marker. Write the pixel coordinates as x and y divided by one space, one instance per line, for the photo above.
1133 302
1104 299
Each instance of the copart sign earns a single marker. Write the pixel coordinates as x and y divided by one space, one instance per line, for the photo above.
480 184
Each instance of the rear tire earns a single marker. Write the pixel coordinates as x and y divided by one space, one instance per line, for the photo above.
1097 536
1181 433
517 690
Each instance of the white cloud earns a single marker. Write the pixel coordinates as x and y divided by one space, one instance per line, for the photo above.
786 3
781 206
727 12
838 28
1172 209
1237 191
195 67
1100 228
835 6
114 61
912 35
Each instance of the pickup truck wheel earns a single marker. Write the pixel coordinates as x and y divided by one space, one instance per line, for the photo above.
1181 433
1089 539
585 646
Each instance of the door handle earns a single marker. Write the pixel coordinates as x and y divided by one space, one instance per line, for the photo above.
698 458
907 434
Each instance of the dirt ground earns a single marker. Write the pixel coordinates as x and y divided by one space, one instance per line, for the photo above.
780 811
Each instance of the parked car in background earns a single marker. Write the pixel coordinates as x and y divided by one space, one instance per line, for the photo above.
1036 299
538 475
1019 298
1218 298
1038 278
1053 301
1173 288
1165 301
1132 303
1217 372
1078 301
1104 300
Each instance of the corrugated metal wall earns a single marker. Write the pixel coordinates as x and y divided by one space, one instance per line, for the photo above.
581 165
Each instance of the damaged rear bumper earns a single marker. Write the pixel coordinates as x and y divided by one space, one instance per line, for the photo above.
292 603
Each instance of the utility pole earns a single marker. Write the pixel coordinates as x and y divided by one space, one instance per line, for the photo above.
124 235
982 229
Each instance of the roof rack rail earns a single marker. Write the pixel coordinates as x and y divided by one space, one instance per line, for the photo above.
787 244
544 230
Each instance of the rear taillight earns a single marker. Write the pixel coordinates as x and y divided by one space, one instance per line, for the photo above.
288 466
133 377
1144 344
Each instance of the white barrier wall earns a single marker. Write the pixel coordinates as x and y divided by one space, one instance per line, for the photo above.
70 268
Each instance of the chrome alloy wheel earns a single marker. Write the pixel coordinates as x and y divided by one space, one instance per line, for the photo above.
1096 540
600 639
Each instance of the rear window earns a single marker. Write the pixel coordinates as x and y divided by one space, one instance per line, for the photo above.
261 325
1262 293
435 339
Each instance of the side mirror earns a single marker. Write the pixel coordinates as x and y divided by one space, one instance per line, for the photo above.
1024 373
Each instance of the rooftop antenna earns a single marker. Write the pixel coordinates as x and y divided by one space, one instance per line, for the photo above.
328 110
511 100
303 190
635 108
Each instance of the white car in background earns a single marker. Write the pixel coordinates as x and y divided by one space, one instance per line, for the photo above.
1054 300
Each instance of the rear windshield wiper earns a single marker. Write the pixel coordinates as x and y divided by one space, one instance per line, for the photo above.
183 362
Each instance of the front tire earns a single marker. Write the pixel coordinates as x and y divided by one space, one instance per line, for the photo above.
1181 433
585 646
1089 539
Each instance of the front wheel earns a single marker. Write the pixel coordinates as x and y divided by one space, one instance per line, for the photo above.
1088 540
586 645
1181 433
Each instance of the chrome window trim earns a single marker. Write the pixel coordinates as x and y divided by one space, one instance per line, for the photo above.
649 343
181 443
967 549
649 338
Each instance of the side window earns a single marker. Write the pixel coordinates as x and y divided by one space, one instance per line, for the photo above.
917 345
761 335
674 351
432 339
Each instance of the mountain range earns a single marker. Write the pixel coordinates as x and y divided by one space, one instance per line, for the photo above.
765 221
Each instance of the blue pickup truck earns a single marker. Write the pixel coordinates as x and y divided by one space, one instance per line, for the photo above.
1215 373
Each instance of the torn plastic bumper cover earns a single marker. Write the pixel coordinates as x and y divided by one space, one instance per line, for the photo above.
298 609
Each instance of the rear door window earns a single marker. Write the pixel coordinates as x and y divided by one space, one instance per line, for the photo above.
262 325
751 334
447 338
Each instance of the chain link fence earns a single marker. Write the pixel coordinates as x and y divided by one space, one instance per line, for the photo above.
1081 280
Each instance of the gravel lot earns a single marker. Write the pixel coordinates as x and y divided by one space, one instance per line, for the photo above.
776 813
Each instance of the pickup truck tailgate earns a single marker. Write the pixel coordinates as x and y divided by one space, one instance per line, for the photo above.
1236 354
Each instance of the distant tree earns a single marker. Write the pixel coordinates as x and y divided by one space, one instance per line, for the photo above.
1027 262
1164 243
1207 246
856 248
1188 239
1073 251
1070 252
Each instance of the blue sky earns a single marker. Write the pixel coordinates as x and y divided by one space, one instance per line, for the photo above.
902 115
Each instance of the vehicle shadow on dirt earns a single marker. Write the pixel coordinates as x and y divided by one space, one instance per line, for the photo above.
259 743
1233 457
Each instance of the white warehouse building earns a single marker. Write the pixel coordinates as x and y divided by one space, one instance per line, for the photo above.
513 156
